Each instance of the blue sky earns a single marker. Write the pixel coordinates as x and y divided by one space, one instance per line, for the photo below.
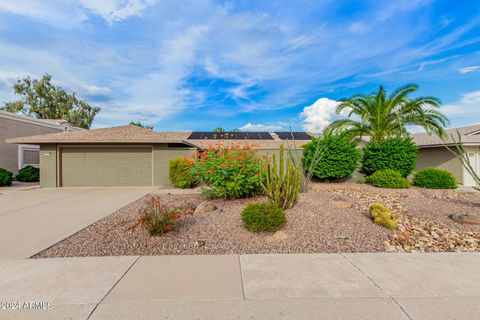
258 65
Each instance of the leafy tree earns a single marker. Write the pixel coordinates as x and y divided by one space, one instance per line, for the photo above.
219 129
43 100
138 124
380 116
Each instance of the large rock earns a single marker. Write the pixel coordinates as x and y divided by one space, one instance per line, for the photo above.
466 218
204 207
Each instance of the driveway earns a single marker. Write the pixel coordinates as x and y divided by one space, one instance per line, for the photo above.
33 220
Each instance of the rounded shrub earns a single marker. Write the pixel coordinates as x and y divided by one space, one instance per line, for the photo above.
388 179
433 178
339 156
6 177
180 173
263 216
398 153
28 174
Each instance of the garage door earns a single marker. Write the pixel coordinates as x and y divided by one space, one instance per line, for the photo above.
106 166
468 180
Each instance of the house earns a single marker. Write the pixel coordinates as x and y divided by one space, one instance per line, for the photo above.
129 155
15 157
433 152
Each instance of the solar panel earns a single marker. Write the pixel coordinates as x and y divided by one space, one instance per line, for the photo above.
294 135
247 135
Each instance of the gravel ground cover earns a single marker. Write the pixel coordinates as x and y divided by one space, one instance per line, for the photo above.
329 218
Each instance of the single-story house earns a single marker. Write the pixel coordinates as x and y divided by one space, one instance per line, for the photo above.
434 154
130 155
14 157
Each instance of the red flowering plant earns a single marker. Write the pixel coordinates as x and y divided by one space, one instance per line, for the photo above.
232 172
156 218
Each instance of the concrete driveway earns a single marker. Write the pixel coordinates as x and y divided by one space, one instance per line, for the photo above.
33 220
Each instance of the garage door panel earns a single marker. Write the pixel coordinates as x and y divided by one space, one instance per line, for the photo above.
106 166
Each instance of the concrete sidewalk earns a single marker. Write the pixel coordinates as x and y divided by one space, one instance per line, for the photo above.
298 286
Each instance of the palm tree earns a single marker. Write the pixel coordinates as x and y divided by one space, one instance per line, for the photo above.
379 116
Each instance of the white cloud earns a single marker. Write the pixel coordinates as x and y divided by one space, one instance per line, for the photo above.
468 69
114 10
263 127
69 13
464 111
319 115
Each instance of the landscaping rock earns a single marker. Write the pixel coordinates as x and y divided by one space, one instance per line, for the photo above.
466 218
199 243
205 207
278 236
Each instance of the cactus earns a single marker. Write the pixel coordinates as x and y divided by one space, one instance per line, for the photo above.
281 185
382 216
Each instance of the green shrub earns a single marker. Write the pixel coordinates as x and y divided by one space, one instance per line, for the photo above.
339 156
6 177
281 184
28 174
382 216
180 172
388 179
399 153
209 193
263 216
156 218
433 178
232 172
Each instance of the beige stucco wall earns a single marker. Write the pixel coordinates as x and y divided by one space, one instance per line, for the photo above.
161 156
440 157
48 165
10 129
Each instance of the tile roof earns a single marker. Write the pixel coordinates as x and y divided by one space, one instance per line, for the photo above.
122 134
470 136
257 144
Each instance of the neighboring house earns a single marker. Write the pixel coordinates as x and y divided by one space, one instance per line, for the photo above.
15 157
434 154
129 155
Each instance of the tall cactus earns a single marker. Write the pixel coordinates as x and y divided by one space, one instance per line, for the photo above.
282 184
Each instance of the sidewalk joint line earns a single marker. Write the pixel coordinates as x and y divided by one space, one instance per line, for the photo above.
401 308
241 277
362 272
114 285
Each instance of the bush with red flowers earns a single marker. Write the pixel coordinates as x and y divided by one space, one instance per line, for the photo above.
156 218
230 172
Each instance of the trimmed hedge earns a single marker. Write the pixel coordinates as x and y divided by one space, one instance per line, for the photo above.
28 174
180 173
263 216
434 178
6 177
388 178
398 153
339 159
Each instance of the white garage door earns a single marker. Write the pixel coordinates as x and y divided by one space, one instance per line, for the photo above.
475 163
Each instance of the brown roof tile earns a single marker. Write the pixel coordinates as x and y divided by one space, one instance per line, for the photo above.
122 134
470 135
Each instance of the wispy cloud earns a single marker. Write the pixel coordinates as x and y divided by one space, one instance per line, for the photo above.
465 110
468 69
162 60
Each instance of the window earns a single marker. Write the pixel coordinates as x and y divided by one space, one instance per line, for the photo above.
28 155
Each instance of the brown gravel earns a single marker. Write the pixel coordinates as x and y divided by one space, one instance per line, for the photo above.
329 218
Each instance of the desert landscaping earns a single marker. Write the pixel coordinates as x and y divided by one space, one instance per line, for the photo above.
330 217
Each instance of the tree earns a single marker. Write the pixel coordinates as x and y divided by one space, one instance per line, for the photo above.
138 124
219 129
380 116
43 100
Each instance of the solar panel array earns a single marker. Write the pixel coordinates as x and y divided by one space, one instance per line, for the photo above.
294 135
230 135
